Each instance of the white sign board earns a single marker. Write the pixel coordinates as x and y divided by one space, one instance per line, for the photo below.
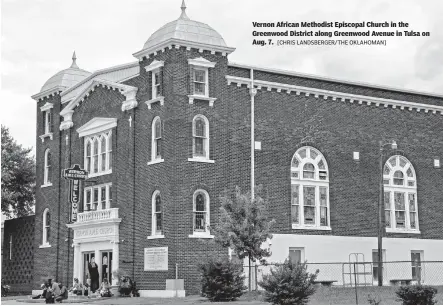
156 259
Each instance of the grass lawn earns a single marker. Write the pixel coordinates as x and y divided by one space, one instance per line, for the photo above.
323 296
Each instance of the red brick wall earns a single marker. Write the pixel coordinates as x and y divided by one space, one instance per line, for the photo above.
281 124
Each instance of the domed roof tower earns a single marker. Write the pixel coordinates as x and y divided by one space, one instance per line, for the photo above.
186 32
67 77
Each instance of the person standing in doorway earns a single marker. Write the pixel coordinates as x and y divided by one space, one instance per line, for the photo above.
93 274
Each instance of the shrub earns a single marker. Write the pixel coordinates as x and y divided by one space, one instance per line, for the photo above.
222 280
289 284
416 295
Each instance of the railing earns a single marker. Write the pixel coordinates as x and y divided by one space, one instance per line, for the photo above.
96 215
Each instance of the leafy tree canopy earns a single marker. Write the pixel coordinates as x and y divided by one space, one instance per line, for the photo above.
244 224
18 177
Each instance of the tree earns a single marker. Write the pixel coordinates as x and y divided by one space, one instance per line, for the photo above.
18 177
244 226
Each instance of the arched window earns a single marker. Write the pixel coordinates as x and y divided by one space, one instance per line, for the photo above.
156 144
98 153
88 155
46 227
103 143
157 214
95 147
47 176
109 146
309 189
400 195
201 219
200 135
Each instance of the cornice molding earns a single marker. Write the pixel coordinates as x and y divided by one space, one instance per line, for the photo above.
177 43
335 96
329 79
52 92
125 90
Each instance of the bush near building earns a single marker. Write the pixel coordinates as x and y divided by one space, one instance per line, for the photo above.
289 284
417 295
222 280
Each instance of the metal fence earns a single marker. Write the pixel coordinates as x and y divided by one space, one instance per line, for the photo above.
357 282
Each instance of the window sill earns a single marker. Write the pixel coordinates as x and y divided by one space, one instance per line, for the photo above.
44 246
46 185
204 98
202 236
201 160
160 99
313 228
156 161
99 173
399 231
42 137
156 237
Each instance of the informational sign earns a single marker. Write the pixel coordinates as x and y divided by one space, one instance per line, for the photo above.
74 175
94 232
156 259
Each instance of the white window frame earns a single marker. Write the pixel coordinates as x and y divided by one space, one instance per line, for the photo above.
47 181
206 233
47 111
155 86
100 197
154 158
155 67
201 64
391 188
103 136
316 183
206 141
206 81
154 234
46 228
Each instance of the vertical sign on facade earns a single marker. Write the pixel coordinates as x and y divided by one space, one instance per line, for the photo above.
74 175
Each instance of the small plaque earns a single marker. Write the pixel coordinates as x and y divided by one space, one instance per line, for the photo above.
156 259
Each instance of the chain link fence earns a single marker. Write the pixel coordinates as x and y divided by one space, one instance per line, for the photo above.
357 282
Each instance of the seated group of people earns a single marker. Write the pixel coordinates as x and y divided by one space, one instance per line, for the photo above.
56 292
79 289
52 292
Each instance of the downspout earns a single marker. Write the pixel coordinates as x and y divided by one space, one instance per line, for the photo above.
252 92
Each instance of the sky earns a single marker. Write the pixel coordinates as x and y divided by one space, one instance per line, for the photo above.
38 38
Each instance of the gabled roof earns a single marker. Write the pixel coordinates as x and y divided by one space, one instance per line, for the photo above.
95 83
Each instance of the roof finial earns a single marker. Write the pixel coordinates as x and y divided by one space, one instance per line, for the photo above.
74 58
183 7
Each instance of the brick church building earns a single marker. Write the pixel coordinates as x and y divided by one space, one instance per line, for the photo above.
164 136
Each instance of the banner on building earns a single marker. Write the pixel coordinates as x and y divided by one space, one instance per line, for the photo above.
74 175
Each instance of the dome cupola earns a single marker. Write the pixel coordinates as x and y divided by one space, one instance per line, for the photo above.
185 32
67 77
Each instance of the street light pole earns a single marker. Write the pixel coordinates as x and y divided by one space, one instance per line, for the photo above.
381 204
